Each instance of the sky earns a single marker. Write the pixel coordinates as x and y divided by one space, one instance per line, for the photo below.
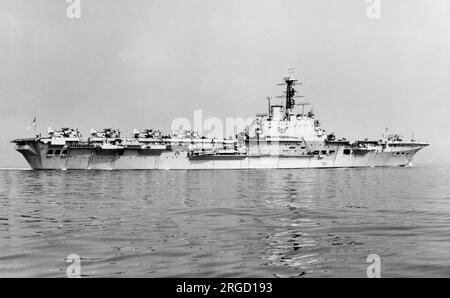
141 64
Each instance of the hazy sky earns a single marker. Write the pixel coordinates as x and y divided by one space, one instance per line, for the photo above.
139 63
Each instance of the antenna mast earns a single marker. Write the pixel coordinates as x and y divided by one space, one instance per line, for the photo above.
290 81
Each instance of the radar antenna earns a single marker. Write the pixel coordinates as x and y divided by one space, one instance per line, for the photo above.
303 104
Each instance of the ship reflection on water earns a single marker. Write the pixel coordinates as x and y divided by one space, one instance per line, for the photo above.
289 245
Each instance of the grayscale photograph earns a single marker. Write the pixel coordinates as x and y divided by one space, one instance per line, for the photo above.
222 146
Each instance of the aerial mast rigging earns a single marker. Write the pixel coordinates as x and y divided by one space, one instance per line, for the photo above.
289 81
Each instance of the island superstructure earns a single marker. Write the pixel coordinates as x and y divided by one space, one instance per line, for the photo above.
280 138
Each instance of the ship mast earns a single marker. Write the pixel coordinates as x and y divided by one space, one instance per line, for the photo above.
290 81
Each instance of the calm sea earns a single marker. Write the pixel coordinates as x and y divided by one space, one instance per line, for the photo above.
247 223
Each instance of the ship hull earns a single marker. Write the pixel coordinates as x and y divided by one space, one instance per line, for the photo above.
89 159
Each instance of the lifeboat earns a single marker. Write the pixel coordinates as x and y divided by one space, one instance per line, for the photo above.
152 149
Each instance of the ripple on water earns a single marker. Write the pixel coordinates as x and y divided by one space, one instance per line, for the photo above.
267 223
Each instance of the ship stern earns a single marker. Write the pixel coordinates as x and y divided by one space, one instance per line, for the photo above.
30 151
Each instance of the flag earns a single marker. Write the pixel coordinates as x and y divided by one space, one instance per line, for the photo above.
33 124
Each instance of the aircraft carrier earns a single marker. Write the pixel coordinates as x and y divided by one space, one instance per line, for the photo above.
280 138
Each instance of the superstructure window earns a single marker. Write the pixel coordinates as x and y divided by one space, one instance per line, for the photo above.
57 152
50 152
64 153
332 151
324 152
347 151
